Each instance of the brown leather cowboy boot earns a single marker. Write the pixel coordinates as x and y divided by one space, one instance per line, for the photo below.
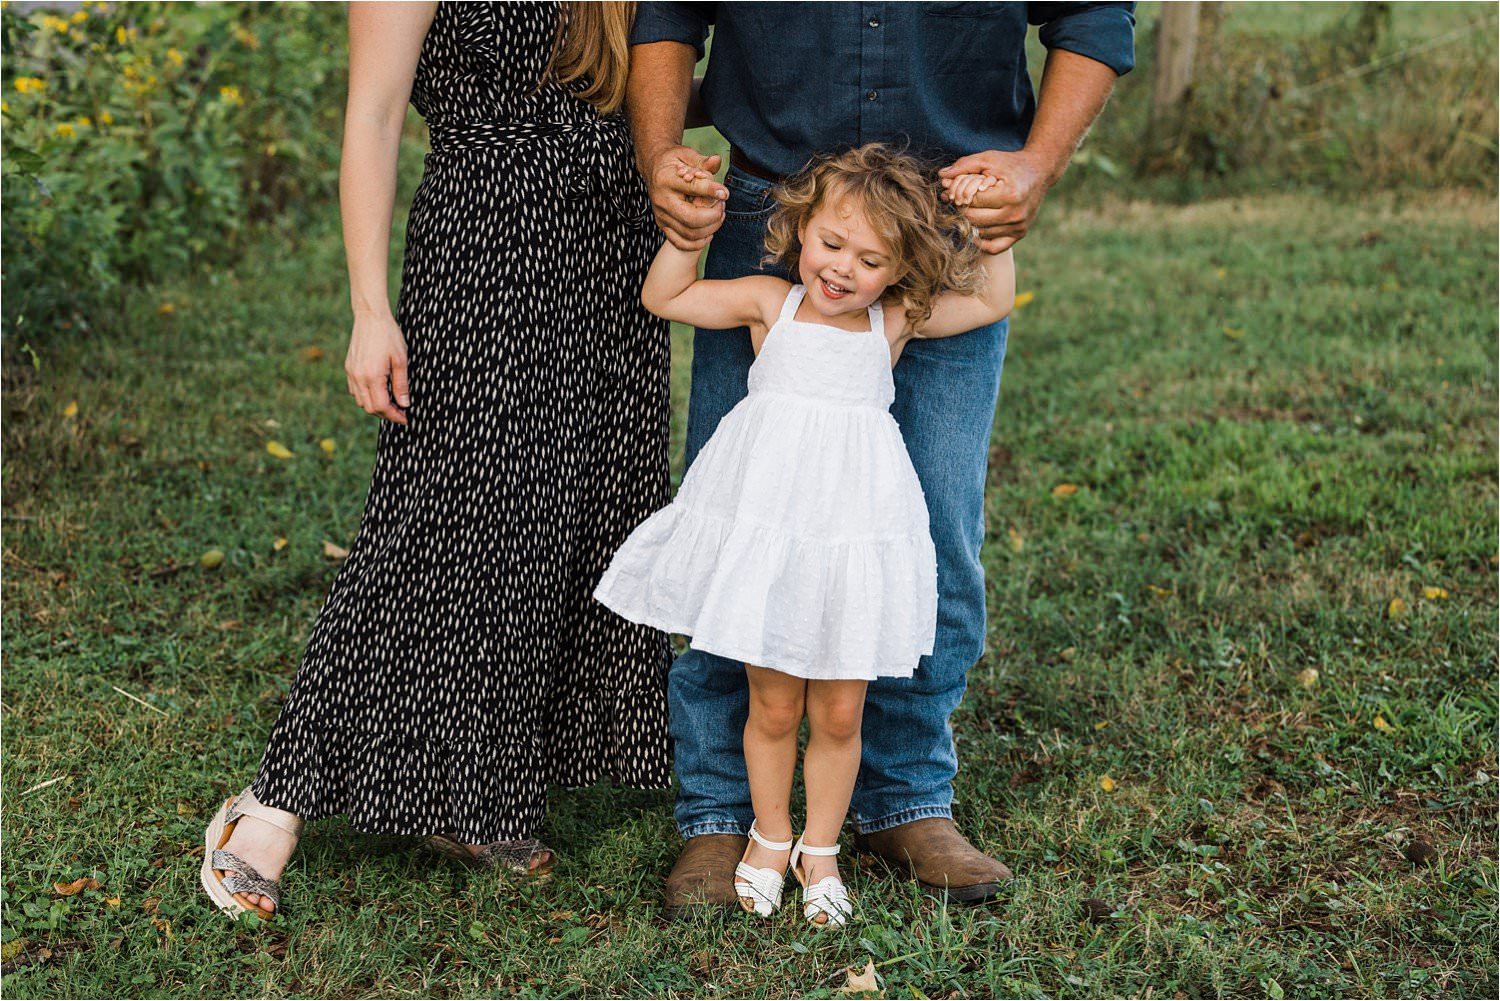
941 860
702 881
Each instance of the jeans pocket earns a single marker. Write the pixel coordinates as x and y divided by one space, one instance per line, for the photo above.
749 197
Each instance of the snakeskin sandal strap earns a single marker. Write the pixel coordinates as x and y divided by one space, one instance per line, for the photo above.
514 855
243 878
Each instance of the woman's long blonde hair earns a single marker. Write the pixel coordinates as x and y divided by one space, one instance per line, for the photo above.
591 52
932 242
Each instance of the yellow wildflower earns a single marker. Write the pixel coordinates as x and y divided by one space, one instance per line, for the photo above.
231 95
105 118
80 16
130 72
174 57
4 107
83 121
246 37
120 34
30 84
65 130
57 24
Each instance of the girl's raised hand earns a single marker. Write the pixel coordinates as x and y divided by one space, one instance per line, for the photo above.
962 189
689 173
376 366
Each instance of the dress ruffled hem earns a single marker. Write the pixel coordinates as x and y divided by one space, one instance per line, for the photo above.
394 783
810 607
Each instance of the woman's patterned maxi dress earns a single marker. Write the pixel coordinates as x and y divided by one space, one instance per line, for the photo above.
460 663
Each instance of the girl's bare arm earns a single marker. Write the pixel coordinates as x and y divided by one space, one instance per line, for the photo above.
674 291
953 313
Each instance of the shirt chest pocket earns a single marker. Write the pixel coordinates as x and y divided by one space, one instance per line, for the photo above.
971 38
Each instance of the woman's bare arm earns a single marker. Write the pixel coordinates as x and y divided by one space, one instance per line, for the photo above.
385 40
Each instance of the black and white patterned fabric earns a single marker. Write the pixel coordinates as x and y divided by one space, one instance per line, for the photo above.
459 664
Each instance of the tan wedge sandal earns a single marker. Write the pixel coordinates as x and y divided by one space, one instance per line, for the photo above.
225 876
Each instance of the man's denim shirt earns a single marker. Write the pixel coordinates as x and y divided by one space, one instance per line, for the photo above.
943 80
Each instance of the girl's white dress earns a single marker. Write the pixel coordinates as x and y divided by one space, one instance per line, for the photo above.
799 538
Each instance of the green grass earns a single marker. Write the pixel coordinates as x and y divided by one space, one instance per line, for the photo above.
1279 415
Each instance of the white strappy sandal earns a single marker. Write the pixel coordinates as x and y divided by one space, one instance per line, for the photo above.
828 896
225 889
759 890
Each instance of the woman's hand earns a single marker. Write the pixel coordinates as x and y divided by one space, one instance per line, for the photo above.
376 366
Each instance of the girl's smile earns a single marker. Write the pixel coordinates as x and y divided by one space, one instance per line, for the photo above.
844 263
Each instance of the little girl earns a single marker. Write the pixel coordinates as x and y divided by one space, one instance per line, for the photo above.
798 542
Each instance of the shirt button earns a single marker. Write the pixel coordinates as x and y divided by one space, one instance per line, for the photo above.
871 95
874 22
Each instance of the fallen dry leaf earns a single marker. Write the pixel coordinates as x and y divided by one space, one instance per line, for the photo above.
279 450
1381 724
1024 299
1307 677
71 410
1065 490
167 308
77 886
1396 608
327 445
1106 783
311 353
863 982
1435 593
280 544
1234 333
211 559
1017 541
334 552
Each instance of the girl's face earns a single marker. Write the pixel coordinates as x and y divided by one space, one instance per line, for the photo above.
844 263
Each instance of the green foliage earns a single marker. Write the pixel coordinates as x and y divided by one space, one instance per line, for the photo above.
140 137
1344 97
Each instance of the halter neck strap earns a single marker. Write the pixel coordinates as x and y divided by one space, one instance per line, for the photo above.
793 300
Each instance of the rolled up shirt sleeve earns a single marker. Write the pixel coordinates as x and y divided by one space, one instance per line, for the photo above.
673 22
1104 32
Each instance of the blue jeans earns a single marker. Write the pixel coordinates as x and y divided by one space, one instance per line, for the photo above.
946 391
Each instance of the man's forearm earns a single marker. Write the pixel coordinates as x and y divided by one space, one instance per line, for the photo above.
656 97
1074 91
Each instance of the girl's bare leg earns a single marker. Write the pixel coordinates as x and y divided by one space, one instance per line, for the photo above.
776 704
834 711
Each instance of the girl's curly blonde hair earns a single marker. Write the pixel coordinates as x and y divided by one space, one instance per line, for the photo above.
931 241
